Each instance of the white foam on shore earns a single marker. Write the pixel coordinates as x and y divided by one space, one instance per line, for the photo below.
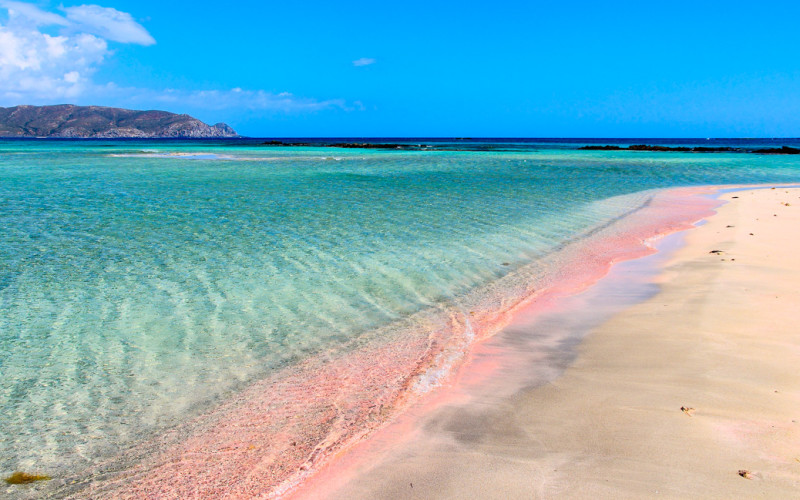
202 155
184 156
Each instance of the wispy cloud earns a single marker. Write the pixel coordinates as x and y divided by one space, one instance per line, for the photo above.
32 13
236 98
104 22
108 23
364 61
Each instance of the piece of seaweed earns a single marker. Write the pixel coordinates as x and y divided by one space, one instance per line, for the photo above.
25 478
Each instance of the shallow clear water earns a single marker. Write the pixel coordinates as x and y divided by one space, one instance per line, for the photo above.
138 286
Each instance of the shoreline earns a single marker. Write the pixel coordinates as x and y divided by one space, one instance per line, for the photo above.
612 424
669 213
247 447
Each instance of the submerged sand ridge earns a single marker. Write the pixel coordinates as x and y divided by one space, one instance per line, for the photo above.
691 393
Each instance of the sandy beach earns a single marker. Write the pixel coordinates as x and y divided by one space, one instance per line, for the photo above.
692 392
545 250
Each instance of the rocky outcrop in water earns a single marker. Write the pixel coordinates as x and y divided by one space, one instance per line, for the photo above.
349 145
98 122
646 147
785 150
600 148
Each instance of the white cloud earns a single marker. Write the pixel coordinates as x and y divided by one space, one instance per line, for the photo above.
40 67
364 61
108 23
35 65
20 11
235 98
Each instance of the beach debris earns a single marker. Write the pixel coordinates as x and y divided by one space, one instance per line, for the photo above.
745 473
25 478
716 251
687 410
734 196
786 205
729 226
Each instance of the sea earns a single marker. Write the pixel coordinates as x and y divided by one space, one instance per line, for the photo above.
146 283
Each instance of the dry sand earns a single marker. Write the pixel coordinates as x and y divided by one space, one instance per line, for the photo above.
721 338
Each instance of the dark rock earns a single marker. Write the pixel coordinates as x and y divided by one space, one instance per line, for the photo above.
785 150
601 148
704 149
367 145
645 147
346 145
285 144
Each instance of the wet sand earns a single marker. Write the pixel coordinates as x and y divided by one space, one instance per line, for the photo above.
289 429
693 391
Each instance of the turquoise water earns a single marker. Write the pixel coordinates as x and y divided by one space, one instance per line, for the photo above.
142 282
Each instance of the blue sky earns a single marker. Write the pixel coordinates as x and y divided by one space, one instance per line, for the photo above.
489 69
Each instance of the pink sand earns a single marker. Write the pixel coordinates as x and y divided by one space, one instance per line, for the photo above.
288 434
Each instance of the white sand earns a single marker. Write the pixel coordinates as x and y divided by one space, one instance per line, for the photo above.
722 337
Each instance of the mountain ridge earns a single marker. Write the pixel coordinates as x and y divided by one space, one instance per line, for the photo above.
100 122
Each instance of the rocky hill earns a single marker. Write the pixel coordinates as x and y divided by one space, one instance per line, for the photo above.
68 121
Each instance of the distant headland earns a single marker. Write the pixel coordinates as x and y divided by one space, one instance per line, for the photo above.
98 122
